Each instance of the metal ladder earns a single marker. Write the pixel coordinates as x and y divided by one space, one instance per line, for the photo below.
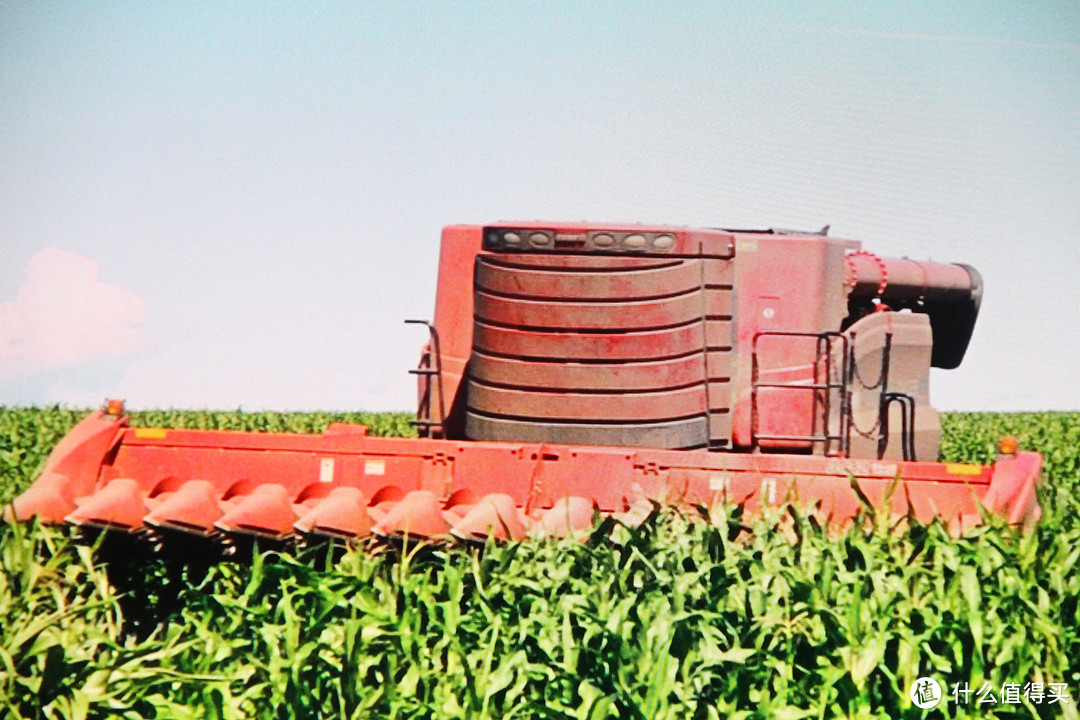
425 423
834 443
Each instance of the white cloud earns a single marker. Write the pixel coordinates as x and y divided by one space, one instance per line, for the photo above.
64 315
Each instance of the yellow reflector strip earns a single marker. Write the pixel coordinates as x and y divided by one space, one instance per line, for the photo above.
963 469
150 433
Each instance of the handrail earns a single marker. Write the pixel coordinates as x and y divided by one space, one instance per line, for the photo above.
428 423
823 354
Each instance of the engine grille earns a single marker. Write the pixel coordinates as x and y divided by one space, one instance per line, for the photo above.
601 350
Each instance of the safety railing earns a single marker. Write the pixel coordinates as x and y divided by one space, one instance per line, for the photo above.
431 368
830 379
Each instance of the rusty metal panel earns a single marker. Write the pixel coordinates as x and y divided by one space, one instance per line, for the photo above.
600 406
675 434
570 345
596 376
605 281
720 426
570 348
785 283
718 392
600 284
719 334
601 316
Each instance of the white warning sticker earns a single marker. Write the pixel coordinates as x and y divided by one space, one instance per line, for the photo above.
768 490
718 482
326 470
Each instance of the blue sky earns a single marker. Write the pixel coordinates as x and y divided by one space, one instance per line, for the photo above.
253 192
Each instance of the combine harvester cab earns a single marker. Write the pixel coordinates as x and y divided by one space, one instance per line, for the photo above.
576 369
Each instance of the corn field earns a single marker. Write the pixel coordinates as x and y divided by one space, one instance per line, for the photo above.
676 618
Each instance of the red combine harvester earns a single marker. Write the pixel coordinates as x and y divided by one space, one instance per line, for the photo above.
575 368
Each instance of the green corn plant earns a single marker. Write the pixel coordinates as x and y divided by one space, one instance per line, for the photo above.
684 616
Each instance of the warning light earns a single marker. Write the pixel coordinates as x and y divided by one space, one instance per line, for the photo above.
1008 445
114 408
